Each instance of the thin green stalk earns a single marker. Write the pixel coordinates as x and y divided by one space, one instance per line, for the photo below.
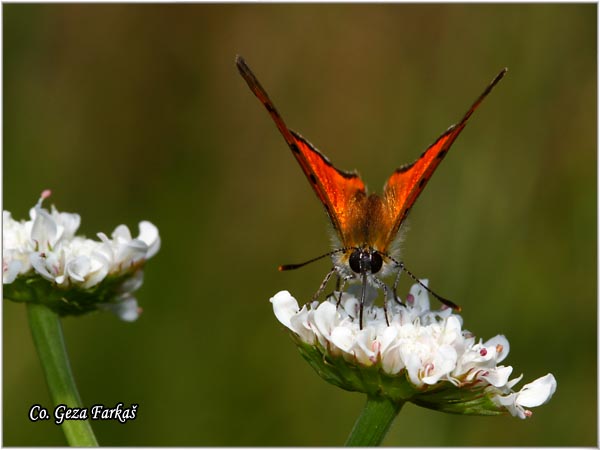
374 422
47 333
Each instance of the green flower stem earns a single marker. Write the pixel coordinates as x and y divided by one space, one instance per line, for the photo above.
374 422
47 333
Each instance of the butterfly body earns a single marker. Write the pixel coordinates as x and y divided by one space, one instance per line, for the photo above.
366 225
359 219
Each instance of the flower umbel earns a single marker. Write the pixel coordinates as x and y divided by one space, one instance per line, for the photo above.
43 261
423 356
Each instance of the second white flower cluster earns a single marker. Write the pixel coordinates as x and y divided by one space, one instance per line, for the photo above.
46 245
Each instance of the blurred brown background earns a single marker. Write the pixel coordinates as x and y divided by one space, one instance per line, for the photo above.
131 112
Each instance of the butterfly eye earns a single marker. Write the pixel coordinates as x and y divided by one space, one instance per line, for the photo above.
365 260
355 261
376 262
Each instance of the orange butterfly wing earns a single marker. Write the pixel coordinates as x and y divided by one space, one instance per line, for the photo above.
342 194
406 183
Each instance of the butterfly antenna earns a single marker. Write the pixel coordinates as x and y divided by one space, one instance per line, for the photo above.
443 300
284 267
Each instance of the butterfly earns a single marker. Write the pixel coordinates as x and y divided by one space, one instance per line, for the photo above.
367 225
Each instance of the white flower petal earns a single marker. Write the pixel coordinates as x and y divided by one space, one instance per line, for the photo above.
130 252
132 283
45 232
500 346
343 338
325 319
78 268
40 264
413 367
284 307
127 309
149 235
300 326
69 221
10 270
366 348
420 295
122 233
498 376
514 381
537 392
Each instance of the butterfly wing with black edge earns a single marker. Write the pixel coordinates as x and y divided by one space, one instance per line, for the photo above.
343 194
406 183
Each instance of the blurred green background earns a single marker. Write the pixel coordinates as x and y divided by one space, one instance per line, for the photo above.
132 112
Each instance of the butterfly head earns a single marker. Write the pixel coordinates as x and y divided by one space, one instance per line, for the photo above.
355 262
365 260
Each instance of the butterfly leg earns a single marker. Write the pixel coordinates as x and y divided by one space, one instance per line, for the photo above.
396 286
323 284
386 294
337 287
445 301
341 290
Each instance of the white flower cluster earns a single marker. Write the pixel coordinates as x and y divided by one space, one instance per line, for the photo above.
428 346
46 245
